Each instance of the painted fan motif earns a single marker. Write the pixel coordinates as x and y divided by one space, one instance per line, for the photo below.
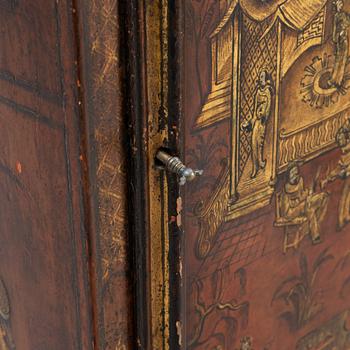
315 88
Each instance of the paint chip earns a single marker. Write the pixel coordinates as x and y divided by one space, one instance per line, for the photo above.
179 331
18 167
179 210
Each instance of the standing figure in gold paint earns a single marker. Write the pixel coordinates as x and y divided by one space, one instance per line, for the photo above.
300 203
342 171
341 41
257 125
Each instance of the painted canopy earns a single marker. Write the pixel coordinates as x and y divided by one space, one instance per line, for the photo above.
296 14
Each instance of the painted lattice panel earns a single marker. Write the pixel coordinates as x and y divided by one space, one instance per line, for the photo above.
314 30
258 53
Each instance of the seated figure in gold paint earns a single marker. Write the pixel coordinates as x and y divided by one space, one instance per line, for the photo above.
342 171
297 202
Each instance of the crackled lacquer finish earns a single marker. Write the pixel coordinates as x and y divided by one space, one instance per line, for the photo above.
105 121
266 116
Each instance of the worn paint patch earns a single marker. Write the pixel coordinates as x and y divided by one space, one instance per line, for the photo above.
179 210
18 167
181 269
179 331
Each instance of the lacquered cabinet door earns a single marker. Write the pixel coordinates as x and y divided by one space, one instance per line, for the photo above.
265 114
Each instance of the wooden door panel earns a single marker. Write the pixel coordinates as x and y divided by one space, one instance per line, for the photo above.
43 262
38 260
